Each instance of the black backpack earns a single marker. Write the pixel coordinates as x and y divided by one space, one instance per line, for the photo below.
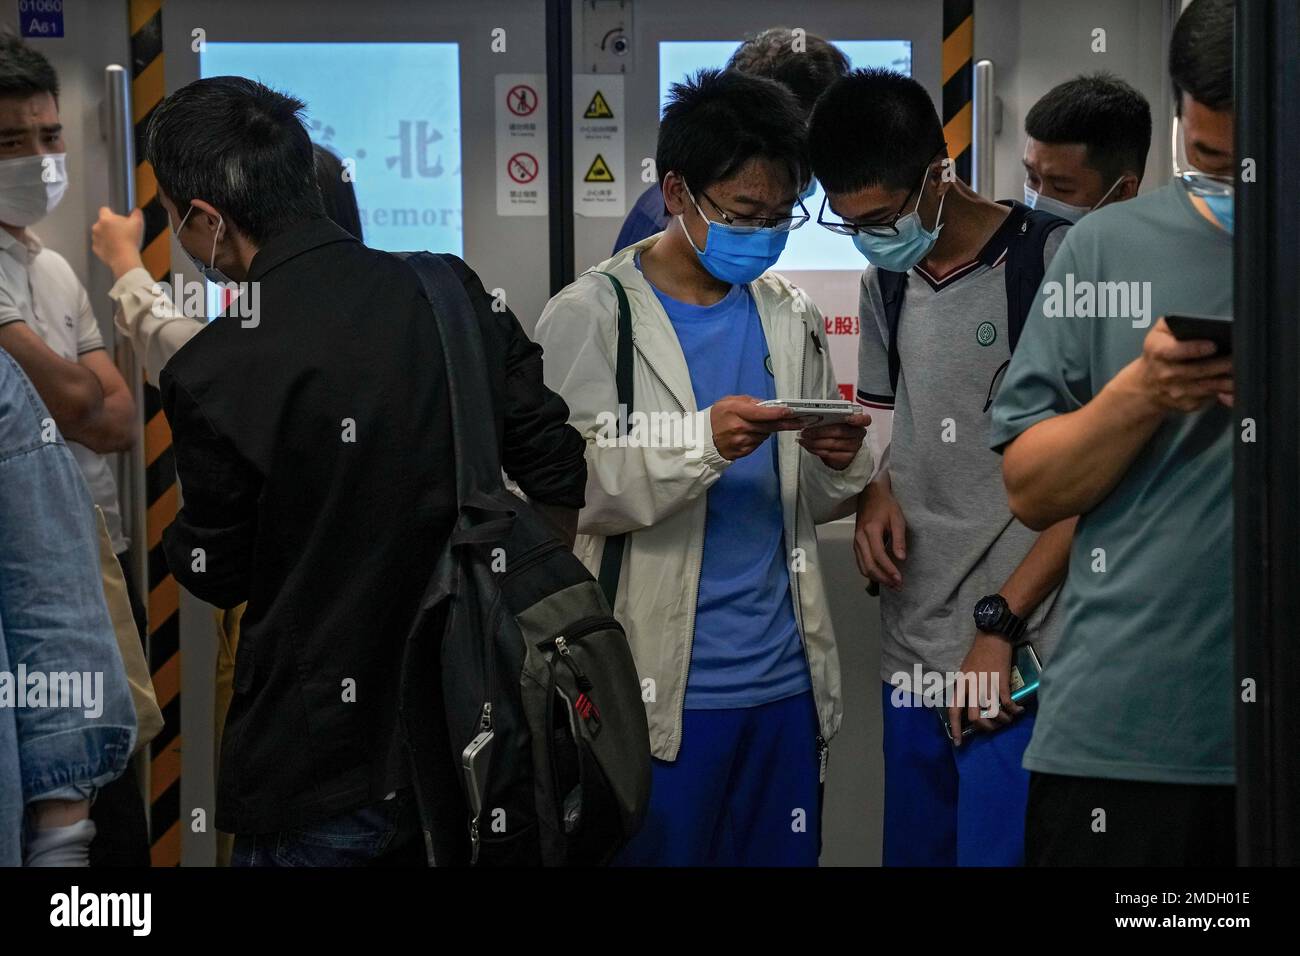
1024 274
513 639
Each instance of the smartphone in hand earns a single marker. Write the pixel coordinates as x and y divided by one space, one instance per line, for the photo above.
1215 328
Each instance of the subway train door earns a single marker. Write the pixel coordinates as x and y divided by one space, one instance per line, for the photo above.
436 110
624 55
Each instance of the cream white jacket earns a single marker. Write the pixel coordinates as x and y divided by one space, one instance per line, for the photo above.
658 494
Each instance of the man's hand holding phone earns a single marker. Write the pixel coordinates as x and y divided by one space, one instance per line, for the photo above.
987 664
836 443
741 424
1181 376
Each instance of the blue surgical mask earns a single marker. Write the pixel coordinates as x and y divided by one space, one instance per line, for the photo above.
913 242
209 271
1221 208
736 255
1036 200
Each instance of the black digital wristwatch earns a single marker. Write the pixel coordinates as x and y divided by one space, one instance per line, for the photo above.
993 616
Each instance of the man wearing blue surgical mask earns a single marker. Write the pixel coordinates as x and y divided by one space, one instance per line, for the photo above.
709 511
1086 146
1122 424
804 63
962 581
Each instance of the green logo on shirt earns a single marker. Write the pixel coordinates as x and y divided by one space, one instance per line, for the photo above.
986 333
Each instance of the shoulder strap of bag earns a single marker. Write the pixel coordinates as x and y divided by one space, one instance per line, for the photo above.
611 558
892 287
1025 267
478 460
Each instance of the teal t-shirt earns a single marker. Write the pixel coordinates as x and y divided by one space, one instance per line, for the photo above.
1141 686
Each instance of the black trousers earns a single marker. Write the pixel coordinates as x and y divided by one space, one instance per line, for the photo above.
122 830
1093 821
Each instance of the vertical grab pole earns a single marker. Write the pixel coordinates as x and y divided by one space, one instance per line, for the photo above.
985 107
559 116
121 190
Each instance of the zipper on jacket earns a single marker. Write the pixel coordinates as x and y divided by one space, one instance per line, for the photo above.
690 641
654 371
794 578
794 575
690 635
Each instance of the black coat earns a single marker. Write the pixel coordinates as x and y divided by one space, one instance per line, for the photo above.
315 461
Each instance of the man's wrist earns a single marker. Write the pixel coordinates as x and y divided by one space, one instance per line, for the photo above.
994 616
121 265
1130 397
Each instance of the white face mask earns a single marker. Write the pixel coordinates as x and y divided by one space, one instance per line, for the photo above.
210 270
30 187
1035 200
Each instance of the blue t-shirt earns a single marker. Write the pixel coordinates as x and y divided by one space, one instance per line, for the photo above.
746 649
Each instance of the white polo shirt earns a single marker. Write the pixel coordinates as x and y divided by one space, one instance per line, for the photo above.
37 286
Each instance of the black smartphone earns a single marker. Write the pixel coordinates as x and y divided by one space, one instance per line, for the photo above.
1216 328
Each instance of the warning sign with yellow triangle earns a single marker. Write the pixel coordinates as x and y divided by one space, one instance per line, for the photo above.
598 171
598 108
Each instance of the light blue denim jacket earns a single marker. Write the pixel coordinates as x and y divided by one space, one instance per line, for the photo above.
53 620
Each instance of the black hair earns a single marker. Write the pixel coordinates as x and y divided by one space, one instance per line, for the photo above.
1200 55
336 192
716 121
24 71
806 73
240 146
1109 117
873 127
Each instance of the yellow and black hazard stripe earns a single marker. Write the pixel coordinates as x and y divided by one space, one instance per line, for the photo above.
958 78
147 91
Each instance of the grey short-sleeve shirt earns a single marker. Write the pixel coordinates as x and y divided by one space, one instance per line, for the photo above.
962 540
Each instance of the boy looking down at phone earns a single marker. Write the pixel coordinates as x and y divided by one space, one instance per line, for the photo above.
1128 427
716 574
962 581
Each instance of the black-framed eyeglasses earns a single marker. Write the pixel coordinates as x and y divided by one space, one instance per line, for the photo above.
885 227
754 223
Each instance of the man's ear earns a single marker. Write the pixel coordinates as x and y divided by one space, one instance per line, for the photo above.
674 191
943 171
207 209
1127 188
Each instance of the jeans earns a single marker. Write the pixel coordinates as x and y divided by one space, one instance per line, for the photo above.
53 621
386 833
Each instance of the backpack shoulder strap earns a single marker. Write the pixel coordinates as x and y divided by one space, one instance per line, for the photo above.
892 287
611 557
1025 267
478 460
